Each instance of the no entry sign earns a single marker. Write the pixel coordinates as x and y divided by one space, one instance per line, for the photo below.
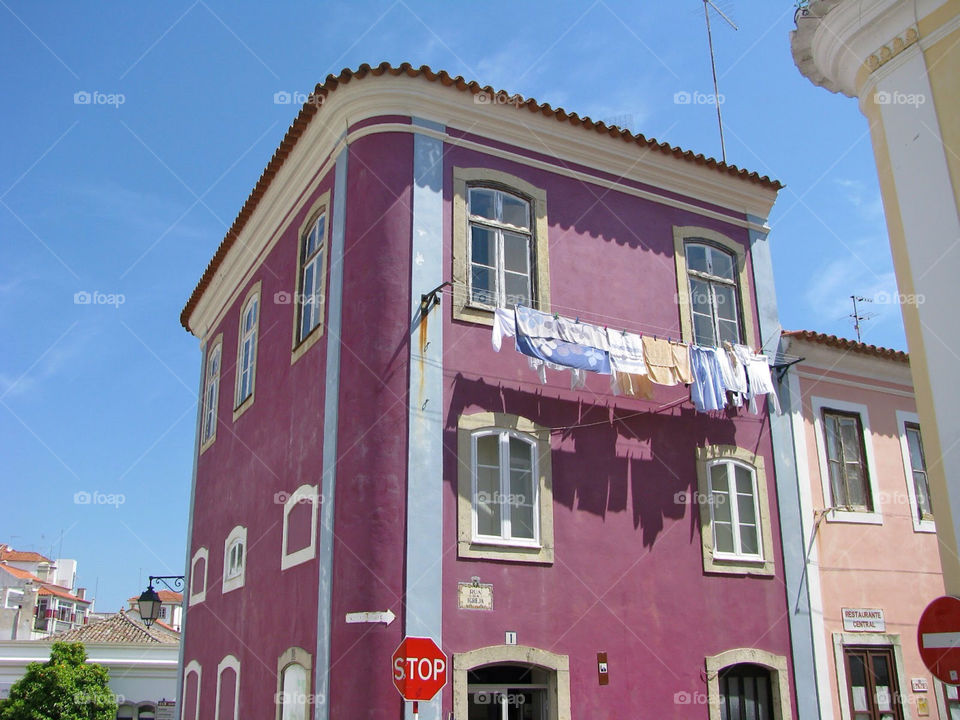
938 635
419 668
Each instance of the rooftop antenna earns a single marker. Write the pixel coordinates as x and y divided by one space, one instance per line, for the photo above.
713 67
857 317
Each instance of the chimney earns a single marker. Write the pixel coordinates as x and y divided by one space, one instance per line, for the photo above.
82 593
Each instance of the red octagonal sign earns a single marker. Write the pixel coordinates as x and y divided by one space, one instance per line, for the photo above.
938 635
419 668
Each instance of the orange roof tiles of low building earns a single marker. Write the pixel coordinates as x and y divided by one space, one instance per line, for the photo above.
19 574
9 554
48 589
167 596
119 628
845 344
323 90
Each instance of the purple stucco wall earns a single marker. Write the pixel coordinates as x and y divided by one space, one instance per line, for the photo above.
627 578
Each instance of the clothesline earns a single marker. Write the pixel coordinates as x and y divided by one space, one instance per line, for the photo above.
717 377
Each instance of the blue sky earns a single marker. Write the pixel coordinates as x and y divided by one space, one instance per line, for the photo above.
127 197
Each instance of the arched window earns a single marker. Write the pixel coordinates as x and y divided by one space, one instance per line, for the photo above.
247 348
191 690
505 491
501 240
228 689
234 559
712 274
293 684
198 576
211 393
299 534
310 297
734 510
747 684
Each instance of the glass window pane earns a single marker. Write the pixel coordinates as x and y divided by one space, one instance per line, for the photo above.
850 435
482 285
729 331
515 211
703 330
517 290
294 693
723 537
521 520
721 264
749 544
744 480
726 298
483 246
488 450
483 203
521 454
488 501
915 446
746 510
516 252
696 257
700 298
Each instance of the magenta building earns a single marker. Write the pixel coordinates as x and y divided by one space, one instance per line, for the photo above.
362 448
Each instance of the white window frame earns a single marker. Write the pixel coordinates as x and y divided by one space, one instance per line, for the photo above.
817 406
712 281
310 302
249 335
498 227
293 656
11 592
192 667
504 435
199 595
904 418
303 494
231 663
211 393
234 578
735 509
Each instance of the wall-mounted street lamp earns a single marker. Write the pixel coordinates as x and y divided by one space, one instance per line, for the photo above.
149 601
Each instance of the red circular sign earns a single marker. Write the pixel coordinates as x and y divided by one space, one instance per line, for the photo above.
938 635
419 668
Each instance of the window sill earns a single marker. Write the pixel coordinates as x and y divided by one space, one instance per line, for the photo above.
232 584
477 314
924 526
243 407
856 517
732 565
300 349
207 444
503 551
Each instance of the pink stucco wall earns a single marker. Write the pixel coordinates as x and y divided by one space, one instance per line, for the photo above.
890 566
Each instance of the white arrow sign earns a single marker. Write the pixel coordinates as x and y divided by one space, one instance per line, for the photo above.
385 617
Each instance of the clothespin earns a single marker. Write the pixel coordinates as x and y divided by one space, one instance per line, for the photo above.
556 316
623 332
578 320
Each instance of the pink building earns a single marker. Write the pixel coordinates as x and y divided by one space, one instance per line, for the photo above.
872 564
362 448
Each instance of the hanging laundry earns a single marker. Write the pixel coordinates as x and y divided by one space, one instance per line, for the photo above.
636 386
761 383
666 363
581 333
626 352
504 325
732 381
708 391
533 341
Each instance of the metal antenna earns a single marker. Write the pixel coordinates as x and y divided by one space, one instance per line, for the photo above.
857 317
713 67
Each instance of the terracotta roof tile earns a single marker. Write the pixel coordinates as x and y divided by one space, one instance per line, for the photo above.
322 90
167 596
845 344
18 573
50 589
6 553
119 628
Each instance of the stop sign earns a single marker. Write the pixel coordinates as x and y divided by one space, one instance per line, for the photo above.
419 668
938 635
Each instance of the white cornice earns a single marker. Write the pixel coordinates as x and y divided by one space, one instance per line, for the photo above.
835 37
827 359
371 97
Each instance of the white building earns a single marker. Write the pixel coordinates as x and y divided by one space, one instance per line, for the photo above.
142 662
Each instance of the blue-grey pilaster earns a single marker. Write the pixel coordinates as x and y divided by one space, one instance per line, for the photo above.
788 488
331 418
425 450
193 498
